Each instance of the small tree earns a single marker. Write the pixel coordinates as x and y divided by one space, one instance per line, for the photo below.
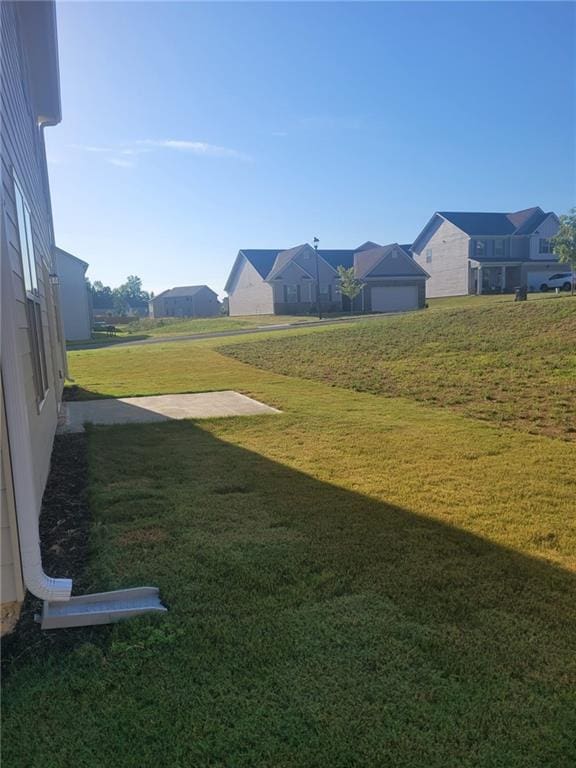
564 244
350 286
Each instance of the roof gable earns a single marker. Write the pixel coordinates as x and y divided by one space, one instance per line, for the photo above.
367 246
61 253
386 261
284 258
182 291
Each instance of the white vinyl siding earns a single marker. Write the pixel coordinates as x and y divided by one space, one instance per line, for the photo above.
448 269
249 294
27 292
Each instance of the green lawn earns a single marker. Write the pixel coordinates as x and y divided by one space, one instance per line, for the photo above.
359 581
147 328
510 363
176 326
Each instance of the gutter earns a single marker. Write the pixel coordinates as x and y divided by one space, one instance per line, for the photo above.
60 609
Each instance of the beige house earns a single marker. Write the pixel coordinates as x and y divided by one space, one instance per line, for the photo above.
33 360
295 280
185 301
473 253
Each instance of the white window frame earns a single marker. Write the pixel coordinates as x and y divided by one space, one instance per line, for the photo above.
33 304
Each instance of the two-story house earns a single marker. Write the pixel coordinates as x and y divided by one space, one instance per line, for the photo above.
185 301
295 280
473 253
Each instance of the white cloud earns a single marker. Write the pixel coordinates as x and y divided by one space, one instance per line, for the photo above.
121 162
195 148
117 155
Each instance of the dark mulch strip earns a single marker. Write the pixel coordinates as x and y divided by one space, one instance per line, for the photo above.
65 544
73 393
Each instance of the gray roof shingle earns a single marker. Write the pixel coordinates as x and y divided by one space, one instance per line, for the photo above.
181 290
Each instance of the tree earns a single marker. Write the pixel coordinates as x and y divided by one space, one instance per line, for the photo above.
130 295
350 286
564 244
102 297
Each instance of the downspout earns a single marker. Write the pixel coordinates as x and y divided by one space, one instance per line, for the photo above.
19 436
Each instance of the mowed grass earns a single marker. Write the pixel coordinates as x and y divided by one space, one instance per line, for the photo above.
175 326
169 327
509 363
357 581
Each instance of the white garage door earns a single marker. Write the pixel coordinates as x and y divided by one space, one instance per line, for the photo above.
394 298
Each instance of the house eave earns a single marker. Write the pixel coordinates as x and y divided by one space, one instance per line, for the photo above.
39 31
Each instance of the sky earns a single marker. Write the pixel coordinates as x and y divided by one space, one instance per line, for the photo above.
192 130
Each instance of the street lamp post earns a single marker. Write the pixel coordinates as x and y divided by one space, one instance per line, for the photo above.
316 241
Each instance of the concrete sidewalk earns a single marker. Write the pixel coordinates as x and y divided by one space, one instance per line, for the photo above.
139 410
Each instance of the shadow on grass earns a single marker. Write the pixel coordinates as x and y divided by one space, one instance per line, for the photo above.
309 625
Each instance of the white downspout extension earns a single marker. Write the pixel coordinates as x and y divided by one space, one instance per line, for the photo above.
20 436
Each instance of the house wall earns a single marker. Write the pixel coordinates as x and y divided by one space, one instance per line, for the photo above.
22 149
448 269
202 304
249 294
548 229
292 275
75 302
11 587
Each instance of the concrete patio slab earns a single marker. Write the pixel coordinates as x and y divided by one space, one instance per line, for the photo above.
139 410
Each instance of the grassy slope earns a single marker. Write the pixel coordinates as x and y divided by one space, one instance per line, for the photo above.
358 581
514 364
169 327
172 326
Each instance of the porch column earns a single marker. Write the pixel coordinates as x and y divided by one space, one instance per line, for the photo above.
503 280
479 286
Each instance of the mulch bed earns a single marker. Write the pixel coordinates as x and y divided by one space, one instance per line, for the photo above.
65 544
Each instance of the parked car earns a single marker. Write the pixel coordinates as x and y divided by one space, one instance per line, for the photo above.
559 280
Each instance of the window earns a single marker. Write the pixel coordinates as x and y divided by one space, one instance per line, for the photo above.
326 292
428 255
291 293
499 248
479 248
33 308
545 245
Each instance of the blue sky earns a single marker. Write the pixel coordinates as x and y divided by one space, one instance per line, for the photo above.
192 130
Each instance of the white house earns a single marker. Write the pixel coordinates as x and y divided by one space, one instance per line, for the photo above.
75 298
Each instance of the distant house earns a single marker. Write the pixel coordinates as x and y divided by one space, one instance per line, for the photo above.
185 301
33 363
284 282
470 253
75 296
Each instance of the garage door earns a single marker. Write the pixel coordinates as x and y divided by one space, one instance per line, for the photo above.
394 298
